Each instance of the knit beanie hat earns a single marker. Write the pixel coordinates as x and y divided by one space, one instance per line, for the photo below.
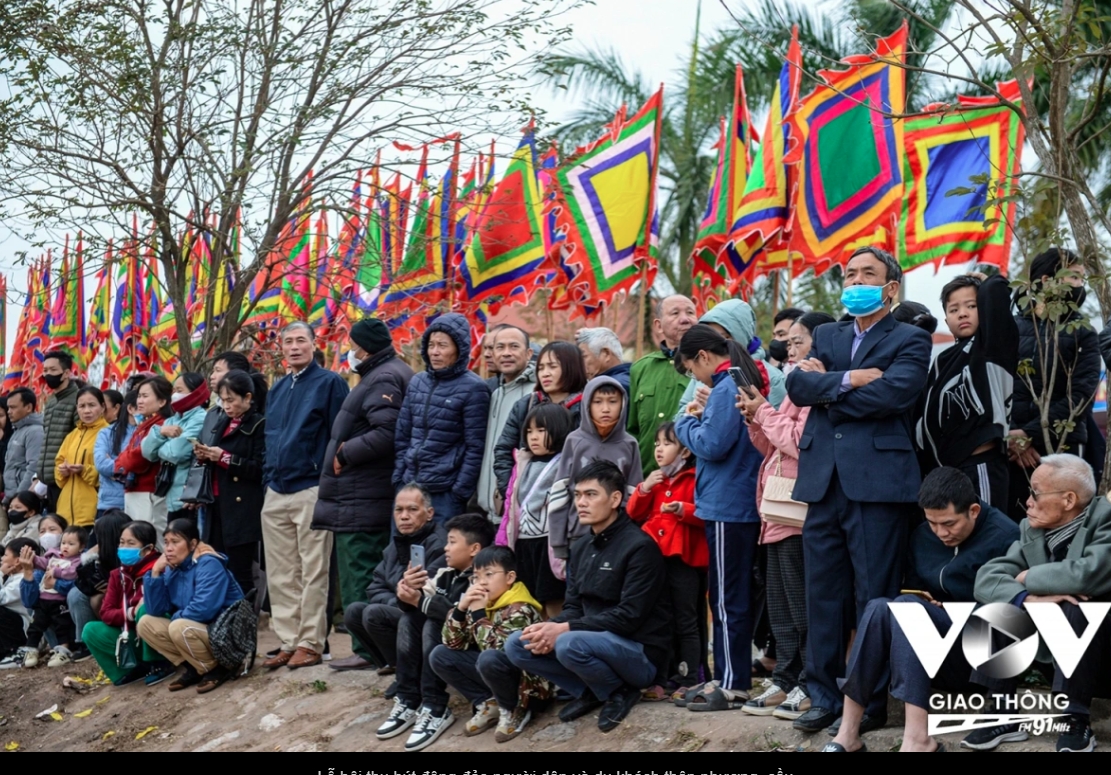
372 335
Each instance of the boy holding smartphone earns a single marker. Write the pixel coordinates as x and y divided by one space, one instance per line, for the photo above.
425 602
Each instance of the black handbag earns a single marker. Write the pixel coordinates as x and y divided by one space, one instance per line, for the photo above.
198 485
165 480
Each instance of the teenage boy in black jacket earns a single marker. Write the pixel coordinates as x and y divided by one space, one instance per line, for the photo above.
614 633
960 535
425 602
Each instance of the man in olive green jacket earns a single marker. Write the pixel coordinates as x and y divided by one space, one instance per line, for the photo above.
59 416
654 385
1062 556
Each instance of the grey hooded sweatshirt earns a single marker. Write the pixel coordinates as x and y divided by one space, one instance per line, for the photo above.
582 448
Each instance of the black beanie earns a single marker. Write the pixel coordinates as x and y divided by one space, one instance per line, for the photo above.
372 335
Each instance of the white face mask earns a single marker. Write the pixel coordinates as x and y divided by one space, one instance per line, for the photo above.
353 360
50 541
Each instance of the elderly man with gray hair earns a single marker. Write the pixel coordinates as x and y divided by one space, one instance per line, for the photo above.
603 355
300 411
1062 556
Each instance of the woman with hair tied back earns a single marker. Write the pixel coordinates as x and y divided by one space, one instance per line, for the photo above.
171 444
133 470
236 456
109 443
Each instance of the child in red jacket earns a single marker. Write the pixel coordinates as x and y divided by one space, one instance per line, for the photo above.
664 503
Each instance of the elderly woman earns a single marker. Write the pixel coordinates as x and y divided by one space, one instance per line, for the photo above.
122 606
185 590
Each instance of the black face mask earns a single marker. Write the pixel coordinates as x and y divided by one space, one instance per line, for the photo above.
53 381
17 517
1078 295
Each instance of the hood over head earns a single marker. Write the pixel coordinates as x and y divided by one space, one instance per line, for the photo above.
585 421
736 317
456 326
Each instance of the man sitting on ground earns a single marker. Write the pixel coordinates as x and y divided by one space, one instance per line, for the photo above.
1063 556
373 624
943 557
425 602
614 633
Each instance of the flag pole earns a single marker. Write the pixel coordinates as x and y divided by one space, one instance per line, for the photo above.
641 309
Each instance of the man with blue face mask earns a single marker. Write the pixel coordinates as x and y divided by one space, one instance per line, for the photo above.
857 470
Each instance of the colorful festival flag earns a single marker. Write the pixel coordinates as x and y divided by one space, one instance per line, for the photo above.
67 315
100 316
850 177
974 147
505 261
606 210
763 215
16 374
711 265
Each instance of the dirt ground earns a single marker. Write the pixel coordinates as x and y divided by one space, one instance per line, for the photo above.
319 709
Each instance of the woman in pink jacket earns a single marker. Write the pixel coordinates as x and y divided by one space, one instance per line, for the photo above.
776 434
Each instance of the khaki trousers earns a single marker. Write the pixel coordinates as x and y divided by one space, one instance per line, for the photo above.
180 640
297 562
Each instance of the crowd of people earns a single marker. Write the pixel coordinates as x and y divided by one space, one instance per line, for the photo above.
579 529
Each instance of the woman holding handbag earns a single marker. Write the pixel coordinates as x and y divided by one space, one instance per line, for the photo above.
776 434
137 473
170 445
113 641
235 456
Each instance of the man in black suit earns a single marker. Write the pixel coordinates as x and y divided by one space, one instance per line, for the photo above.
857 469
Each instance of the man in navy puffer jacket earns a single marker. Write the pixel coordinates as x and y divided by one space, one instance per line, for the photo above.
441 432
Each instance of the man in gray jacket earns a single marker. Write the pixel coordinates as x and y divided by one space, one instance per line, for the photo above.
518 379
1062 556
25 445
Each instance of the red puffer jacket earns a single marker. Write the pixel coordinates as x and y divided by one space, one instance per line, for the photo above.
678 535
125 579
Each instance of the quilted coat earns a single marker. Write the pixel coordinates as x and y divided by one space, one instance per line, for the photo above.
441 431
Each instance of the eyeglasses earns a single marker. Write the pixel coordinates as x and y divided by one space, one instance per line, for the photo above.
1035 494
489 575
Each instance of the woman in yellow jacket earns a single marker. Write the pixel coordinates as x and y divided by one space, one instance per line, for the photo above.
74 469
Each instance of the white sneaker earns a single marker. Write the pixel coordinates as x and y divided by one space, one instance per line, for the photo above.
60 657
765 703
796 704
30 657
12 661
428 729
401 718
485 716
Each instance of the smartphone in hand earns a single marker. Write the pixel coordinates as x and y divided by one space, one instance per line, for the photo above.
416 556
739 377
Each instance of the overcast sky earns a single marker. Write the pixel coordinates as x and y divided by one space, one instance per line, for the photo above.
652 36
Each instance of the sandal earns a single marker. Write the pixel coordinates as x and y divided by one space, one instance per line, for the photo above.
684 694
213 679
189 678
713 697
654 694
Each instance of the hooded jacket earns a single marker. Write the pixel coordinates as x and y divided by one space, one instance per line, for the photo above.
502 403
77 503
728 466
197 590
441 431
177 451
360 497
22 458
59 417
737 317
583 447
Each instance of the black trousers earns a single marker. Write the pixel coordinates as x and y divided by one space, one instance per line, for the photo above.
990 475
51 614
1092 676
417 682
374 626
12 635
853 553
684 584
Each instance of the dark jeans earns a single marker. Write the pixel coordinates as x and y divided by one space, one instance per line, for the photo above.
685 583
12 635
417 682
599 661
374 628
51 614
479 675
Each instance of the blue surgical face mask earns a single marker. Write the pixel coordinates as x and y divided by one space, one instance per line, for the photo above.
128 555
862 300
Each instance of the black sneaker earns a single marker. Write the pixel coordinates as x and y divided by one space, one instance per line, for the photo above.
814 720
159 672
79 653
989 738
1078 738
617 707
